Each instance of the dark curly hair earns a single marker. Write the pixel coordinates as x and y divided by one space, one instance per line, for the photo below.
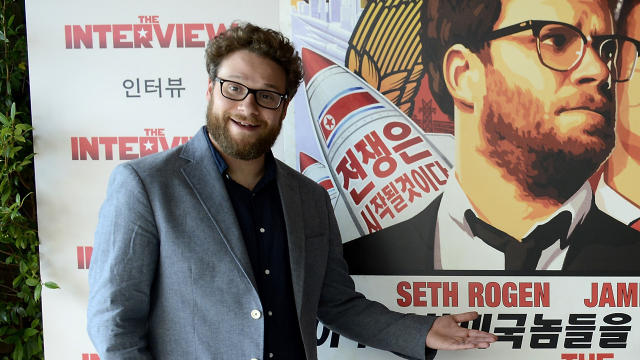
626 8
449 22
260 41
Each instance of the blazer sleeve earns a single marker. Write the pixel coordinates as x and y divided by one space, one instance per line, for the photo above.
349 313
122 269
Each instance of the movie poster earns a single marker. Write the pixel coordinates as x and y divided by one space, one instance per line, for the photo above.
480 155
471 152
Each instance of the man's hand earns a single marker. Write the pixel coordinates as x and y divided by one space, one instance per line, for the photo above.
446 334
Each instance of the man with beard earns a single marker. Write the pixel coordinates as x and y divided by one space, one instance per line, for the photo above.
618 193
216 250
529 85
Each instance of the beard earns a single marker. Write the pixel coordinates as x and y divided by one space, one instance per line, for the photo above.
528 147
244 150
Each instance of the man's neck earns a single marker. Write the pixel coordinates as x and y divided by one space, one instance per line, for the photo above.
245 172
621 173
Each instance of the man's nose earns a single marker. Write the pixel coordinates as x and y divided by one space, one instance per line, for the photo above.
249 104
592 69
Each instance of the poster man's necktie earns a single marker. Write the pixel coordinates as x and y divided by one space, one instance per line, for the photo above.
635 224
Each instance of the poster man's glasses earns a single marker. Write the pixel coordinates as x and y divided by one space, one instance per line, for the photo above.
236 91
561 46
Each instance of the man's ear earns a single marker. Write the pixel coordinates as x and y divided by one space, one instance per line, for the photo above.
285 105
210 89
464 76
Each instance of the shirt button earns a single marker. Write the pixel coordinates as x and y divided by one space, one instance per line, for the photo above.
270 355
267 272
255 314
269 313
262 230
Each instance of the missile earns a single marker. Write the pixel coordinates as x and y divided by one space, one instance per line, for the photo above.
384 167
318 172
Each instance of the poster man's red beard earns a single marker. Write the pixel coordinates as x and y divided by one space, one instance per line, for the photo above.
530 152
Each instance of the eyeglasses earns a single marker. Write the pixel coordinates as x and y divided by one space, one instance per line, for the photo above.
561 46
235 91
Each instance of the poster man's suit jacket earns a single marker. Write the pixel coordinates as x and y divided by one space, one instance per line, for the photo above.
599 245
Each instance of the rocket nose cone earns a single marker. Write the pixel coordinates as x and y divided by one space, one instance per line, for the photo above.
312 63
306 161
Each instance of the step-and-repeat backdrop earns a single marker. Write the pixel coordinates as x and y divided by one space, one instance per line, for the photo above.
121 80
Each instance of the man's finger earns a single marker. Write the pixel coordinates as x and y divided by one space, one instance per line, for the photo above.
464 346
467 316
477 334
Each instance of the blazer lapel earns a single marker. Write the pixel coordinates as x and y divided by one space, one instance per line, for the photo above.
292 209
205 180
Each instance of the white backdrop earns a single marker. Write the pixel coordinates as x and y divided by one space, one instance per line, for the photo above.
78 95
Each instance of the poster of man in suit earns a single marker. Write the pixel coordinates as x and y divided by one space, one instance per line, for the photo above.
529 89
457 140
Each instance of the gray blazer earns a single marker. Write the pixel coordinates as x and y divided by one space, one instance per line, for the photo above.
170 277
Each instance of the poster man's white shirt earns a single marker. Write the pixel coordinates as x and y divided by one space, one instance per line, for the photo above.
614 204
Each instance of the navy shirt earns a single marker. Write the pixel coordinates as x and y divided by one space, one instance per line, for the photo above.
259 214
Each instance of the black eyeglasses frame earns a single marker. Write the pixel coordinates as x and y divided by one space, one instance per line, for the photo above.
251 91
536 25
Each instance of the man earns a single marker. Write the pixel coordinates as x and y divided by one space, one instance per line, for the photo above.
618 193
217 250
529 85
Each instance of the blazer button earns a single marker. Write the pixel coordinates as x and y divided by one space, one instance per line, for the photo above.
255 314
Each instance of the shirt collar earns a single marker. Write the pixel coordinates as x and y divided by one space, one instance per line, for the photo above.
222 166
614 204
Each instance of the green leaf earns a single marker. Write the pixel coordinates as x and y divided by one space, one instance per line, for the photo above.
4 120
2 37
32 282
14 151
12 339
30 332
13 111
17 280
51 285
23 267
24 127
18 353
